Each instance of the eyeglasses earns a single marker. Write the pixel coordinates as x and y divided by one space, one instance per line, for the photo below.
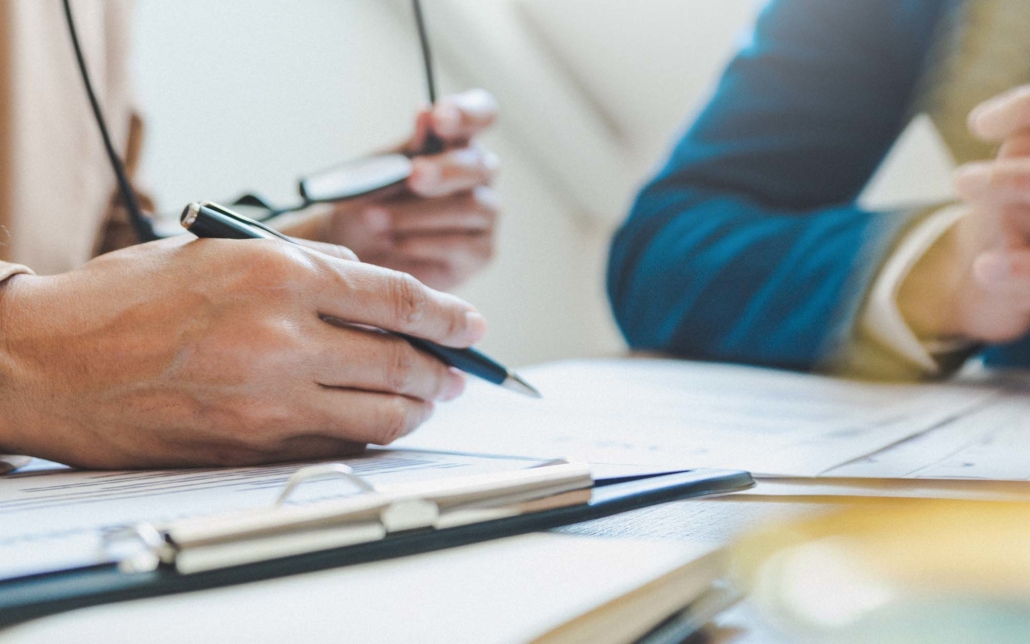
342 182
353 179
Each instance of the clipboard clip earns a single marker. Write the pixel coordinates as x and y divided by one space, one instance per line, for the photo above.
203 544
320 472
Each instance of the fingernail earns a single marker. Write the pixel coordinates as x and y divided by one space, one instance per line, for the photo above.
426 177
981 115
446 119
455 386
377 219
991 269
974 122
476 325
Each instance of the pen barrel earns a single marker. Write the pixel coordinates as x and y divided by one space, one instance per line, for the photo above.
207 222
468 360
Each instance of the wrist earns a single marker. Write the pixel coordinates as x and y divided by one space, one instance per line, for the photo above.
13 378
930 296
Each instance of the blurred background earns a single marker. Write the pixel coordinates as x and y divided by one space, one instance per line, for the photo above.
249 94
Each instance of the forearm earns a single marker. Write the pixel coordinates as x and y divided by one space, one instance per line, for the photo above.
716 276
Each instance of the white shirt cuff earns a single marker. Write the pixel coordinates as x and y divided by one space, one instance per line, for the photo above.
11 463
882 319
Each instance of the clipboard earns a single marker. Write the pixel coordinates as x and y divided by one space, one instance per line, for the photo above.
378 523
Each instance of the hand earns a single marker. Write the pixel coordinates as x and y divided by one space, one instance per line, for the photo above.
440 226
975 283
217 352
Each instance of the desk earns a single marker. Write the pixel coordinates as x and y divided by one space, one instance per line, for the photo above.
717 520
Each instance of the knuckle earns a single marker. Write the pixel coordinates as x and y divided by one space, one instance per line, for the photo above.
396 420
400 367
410 300
274 262
456 322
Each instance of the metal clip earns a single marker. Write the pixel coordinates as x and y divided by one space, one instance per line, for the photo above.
147 559
318 472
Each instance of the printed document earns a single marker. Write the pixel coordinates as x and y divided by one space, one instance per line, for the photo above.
668 413
990 443
52 517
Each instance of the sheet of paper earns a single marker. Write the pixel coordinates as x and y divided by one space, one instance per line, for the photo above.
52 517
839 488
511 590
683 414
989 443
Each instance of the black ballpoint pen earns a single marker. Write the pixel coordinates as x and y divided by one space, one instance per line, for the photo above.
214 221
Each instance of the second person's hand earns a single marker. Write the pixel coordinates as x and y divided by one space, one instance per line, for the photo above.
440 226
975 283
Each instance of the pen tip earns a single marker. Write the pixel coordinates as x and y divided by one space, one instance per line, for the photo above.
516 383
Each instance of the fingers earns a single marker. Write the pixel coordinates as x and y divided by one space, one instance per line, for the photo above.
1017 145
362 417
1006 272
382 363
454 171
385 299
1002 116
1006 181
452 249
469 212
457 119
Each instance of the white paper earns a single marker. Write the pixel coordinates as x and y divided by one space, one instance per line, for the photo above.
954 489
511 590
54 517
988 443
684 414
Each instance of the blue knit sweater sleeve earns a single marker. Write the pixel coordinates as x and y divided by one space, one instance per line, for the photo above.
748 246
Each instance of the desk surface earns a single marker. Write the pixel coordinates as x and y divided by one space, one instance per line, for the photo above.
717 520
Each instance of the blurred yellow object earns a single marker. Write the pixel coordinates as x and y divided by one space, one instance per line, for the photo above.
885 572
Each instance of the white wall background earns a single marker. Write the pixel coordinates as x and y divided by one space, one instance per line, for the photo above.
248 94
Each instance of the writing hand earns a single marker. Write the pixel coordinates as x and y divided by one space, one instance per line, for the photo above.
218 352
